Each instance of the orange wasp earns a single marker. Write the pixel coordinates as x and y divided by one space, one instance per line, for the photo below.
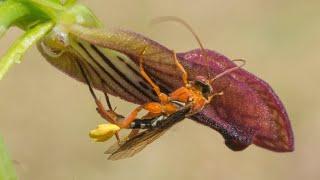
185 101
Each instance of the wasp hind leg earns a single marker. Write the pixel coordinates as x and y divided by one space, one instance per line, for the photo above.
100 107
109 116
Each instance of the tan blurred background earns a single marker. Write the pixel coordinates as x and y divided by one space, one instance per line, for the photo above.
46 116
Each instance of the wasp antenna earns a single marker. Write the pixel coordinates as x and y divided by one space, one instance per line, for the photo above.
178 20
228 71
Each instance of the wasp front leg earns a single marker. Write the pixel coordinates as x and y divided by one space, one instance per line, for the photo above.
215 95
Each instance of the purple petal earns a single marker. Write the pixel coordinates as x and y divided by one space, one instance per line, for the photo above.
248 112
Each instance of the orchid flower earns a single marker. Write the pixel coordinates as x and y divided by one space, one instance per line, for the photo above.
249 111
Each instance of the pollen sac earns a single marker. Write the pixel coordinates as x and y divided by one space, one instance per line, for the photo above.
103 132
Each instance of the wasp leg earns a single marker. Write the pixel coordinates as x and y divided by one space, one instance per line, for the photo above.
107 115
100 107
132 116
162 97
181 68
214 95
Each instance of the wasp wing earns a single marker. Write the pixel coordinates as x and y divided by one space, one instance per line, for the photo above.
136 144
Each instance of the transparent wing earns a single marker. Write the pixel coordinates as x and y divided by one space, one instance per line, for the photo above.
133 146
136 144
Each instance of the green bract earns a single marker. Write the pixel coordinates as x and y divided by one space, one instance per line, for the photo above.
37 18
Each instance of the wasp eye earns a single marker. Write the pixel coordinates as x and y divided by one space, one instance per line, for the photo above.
204 88
206 91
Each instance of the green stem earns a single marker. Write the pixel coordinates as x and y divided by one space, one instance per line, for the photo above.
69 3
7 171
17 50
51 8
48 4
10 12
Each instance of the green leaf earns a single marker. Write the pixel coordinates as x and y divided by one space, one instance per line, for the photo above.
7 171
20 46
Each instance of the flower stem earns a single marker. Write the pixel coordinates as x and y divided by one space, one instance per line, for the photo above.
10 12
36 18
17 50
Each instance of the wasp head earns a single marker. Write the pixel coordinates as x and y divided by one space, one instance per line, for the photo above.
203 85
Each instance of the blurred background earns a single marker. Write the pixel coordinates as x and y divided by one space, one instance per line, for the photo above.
46 115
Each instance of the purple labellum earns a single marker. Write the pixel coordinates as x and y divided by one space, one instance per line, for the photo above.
248 112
